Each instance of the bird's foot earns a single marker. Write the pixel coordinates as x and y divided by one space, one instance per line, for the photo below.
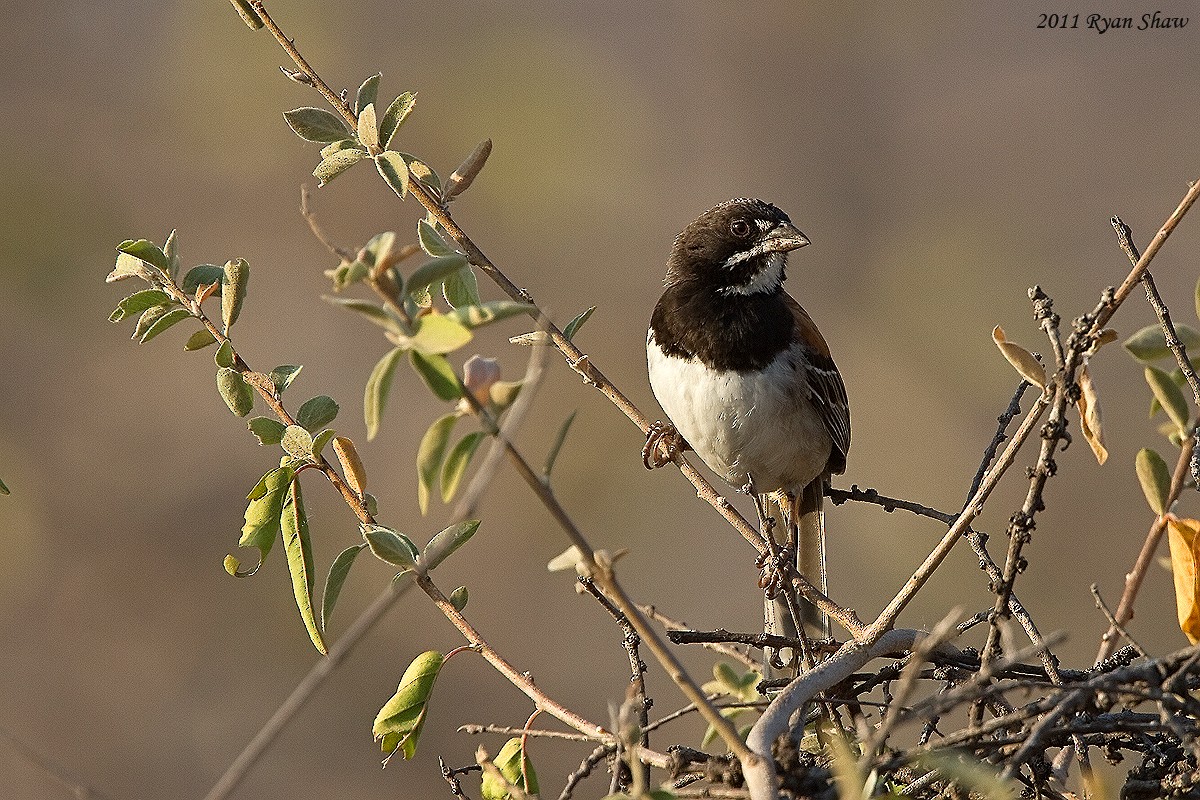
663 443
772 576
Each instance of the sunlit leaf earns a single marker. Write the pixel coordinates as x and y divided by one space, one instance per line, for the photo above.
393 169
378 385
1089 415
233 290
262 517
298 546
461 288
138 302
474 316
372 311
1022 360
430 455
283 375
431 241
1155 479
1184 538
172 317
148 318
436 333
456 463
398 724
224 357
297 442
514 764
320 440
248 14
336 163
353 469
458 598
316 124
434 271
368 130
146 251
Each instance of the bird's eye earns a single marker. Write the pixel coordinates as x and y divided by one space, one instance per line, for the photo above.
740 228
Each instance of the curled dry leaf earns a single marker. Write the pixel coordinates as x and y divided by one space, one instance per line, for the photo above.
1089 415
352 465
1184 537
1022 360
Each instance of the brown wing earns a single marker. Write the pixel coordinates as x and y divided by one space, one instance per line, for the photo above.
825 385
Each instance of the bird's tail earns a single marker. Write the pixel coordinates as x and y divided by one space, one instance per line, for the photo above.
810 550
804 511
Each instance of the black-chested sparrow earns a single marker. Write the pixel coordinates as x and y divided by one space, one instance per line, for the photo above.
747 379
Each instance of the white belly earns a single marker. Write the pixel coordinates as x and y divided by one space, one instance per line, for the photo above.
745 426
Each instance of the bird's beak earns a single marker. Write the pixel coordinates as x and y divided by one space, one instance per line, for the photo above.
784 238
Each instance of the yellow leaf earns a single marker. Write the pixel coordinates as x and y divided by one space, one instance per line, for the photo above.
1184 537
1089 415
1022 360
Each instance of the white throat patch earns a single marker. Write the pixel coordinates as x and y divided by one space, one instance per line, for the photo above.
766 279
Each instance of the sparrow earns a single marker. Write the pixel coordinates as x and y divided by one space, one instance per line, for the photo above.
747 380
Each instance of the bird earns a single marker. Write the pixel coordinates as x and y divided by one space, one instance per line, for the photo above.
748 383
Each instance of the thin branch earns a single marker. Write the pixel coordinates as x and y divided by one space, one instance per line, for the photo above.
1112 621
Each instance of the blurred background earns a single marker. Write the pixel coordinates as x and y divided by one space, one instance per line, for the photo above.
942 158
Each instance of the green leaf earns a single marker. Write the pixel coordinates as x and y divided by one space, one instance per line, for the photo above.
199 340
165 321
203 275
436 334
447 541
398 724
268 431
431 241
456 463
1155 478
234 390
316 124
421 171
248 14
283 375
393 169
336 163
438 375
1169 396
338 571
148 318
368 129
147 251
127 267
368 91
375 313
378 385
170 249
297 442
138 302
298 545
434 271
340 145
574 325
233 290
559 438
429 457
224 355
378 248
474 316
461 288
390 546
1149 344
322 439
317 413
458 598
262 518
394 117
517 769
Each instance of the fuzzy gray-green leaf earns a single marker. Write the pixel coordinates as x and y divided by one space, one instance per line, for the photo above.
368 130
297 543
1149 344
431 241
202 275
390 546
430 454
574 325
234 390
147 251
297 442
336 163
316 124
283 375
165 321
394 117
148 318
372 311
461 288
338 571
138 302
1155 478
437 373
1169 396
378 386
234 281
447 541
393 169
267 430
199 340
434 271
316 413
367 93
474 316
457 462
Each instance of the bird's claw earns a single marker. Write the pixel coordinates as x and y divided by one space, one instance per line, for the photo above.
772 574
663 443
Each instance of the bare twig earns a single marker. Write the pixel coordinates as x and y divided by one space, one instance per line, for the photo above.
1112 621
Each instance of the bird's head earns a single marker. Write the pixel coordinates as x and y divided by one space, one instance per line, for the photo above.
737 248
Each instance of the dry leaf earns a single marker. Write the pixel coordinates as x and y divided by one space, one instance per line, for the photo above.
1184 537
1022 360
1089 415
